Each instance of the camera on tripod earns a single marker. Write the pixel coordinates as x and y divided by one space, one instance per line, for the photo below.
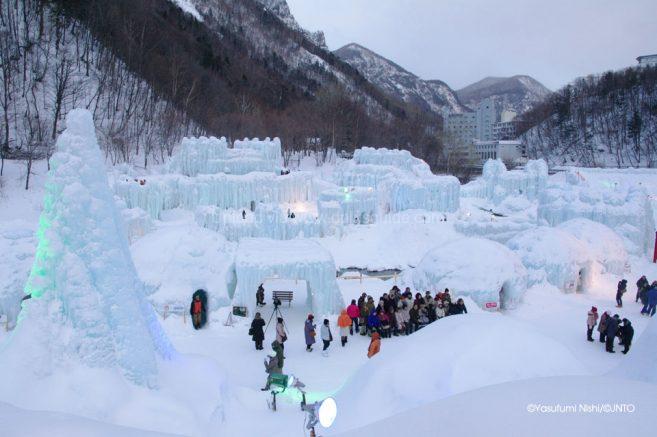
277 302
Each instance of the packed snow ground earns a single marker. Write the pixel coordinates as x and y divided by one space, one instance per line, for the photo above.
452 363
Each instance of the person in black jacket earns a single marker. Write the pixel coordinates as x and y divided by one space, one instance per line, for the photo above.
620 291
256 331
612 330
641 285
457 308
260 296
627 334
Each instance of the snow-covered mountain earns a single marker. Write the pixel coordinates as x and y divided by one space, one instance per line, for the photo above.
434 95
520 92
281 9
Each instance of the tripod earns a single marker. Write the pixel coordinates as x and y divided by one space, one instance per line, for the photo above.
278 314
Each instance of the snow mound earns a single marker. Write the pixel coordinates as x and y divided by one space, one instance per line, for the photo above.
504 409
556 256
176 260
607 246
486 271
88 305
450 356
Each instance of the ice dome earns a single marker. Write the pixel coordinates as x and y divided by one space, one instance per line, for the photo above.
486 271
557 256
606 245
459 353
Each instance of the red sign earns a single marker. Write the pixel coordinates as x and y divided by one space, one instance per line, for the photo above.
491 304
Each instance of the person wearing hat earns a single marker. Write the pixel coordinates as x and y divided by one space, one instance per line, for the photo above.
309 332
591 321
271 367
620 291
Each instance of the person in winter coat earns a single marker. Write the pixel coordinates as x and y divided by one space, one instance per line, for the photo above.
440 310
197 311
591 321
620 291
278 348
256 331
327 337
385 323
641 285
281 335
651 300
271 367
602 326
373 322
458 308
309 332
344 323
375 345
627 334
362 319
612 330
354 313
260 296
414 318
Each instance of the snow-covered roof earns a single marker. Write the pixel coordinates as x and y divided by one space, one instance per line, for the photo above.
475 267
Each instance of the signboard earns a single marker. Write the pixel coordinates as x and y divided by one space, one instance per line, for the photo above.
240 311
490 305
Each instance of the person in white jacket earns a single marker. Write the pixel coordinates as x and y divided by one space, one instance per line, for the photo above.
281 335
327 337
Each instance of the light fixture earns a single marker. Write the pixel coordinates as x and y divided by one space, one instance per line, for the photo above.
323 412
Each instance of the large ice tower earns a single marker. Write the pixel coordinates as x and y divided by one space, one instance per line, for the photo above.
88 305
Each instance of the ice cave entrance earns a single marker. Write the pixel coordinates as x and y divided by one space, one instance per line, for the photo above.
299 260
282 287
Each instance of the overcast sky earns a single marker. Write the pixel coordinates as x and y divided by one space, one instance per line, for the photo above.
462 41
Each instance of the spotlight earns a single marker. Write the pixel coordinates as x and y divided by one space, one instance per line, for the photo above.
322 412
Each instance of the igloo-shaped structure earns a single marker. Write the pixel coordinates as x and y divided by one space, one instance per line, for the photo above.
486 271
87 303
258 259
557 256
606 245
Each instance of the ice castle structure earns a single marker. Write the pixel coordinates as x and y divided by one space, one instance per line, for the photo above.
556 256
258 259
400 180
486 271
624 208
87 305
497 183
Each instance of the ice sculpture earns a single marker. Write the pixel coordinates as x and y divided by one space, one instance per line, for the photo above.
157 193
260 258
486 271
606 245
88 305
356 205
624 208
401 159
268 221
556 256
211 155
497 183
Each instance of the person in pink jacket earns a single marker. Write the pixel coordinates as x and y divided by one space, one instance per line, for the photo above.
354 313
591 321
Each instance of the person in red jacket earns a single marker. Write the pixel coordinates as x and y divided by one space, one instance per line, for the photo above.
375 345
197 310
354 313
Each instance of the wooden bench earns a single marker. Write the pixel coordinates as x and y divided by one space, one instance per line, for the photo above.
284 295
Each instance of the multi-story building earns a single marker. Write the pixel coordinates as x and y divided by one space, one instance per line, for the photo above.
506 128
647 60
460 128
487 115
505 150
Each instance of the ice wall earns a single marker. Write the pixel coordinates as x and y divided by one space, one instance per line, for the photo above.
486 271
88 305
625 209
268 221
162 192
17 243
357 205
211 156
432 193
556 256
401 159
497 183
303 259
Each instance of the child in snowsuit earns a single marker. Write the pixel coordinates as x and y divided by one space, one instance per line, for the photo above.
344 323
375 345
